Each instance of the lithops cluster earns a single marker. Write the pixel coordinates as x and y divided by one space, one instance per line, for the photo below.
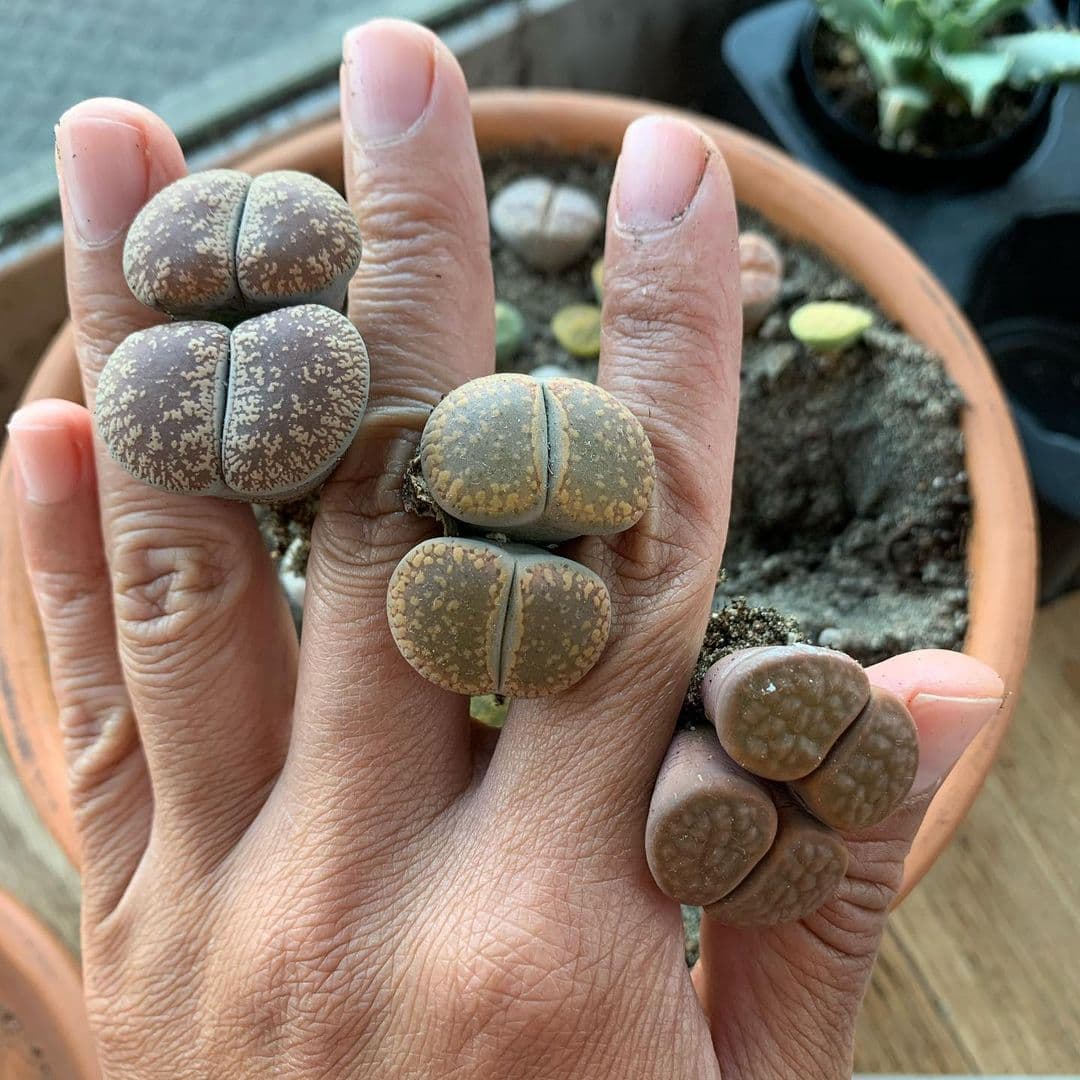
746 816
263 412
482 618
220 244
540 461
829 326
550 226
761 274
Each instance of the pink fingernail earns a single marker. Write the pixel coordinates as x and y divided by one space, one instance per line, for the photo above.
389 69
48 460
104 172
947 726
660 169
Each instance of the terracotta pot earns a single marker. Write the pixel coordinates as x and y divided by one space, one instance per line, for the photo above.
43 1027
1001 551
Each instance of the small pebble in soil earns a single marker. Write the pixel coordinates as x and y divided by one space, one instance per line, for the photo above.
221 245
509 332
549 225
829 326
577 329
761 272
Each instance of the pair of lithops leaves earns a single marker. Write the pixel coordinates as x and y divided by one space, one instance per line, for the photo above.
528 462
264 411
747 813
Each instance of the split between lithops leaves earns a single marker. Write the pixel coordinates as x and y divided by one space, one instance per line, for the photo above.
220 244
262 413
479 618
537 461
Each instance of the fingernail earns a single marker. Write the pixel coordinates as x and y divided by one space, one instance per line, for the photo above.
104 173
47 459
660 169
389 68
947 726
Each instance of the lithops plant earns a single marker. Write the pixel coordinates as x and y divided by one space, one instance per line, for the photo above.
540 461
220 244
596 276
746 818
829 326
577 329
509 332
262 413
549 225
480 618
761 274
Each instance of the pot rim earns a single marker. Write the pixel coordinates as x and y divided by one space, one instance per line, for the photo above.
1001 547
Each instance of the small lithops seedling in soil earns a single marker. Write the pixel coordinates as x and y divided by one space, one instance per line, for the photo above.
596 275
220 244
262 413
577 329
480 618
761 273
549 225
509 332
829 326
535 460
754 853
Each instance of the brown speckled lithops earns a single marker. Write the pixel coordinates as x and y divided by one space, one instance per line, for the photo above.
761 273
220 244
538 461
477 618
262 414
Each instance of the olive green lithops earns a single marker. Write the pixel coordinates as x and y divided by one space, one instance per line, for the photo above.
537 460
550 226
577 329
263 413
829 325
220 244
509 332
596 275
480 618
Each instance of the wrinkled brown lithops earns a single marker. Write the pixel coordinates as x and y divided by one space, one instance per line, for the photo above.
799 873
542 461
869 771
709 821
263 413
549 225
479 618
761 273
779 710
220 244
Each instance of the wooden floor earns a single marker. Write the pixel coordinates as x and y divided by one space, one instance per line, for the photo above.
980 972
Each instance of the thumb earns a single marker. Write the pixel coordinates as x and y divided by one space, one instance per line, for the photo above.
782 1001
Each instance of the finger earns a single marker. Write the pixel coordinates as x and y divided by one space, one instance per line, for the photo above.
424 301
56 504
765 990
204 636
671 347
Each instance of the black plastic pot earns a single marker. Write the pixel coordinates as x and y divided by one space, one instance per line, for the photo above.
979 165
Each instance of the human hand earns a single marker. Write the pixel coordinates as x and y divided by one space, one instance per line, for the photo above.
301 859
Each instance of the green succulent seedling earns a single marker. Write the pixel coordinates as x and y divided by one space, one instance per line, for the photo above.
923 53
577 329
509 332
829 326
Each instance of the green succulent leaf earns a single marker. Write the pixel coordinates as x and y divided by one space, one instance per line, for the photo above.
981 15
1041 56
890 60
847 16
900 108
907 20
977 75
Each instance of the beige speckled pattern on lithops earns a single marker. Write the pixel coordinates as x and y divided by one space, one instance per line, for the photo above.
298 241
869 771
799 873
179 252
600 461
484 451
159 403
781 709
557 624
709 822
446 605
298 386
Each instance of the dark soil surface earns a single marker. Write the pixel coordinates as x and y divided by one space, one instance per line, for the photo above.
842 72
